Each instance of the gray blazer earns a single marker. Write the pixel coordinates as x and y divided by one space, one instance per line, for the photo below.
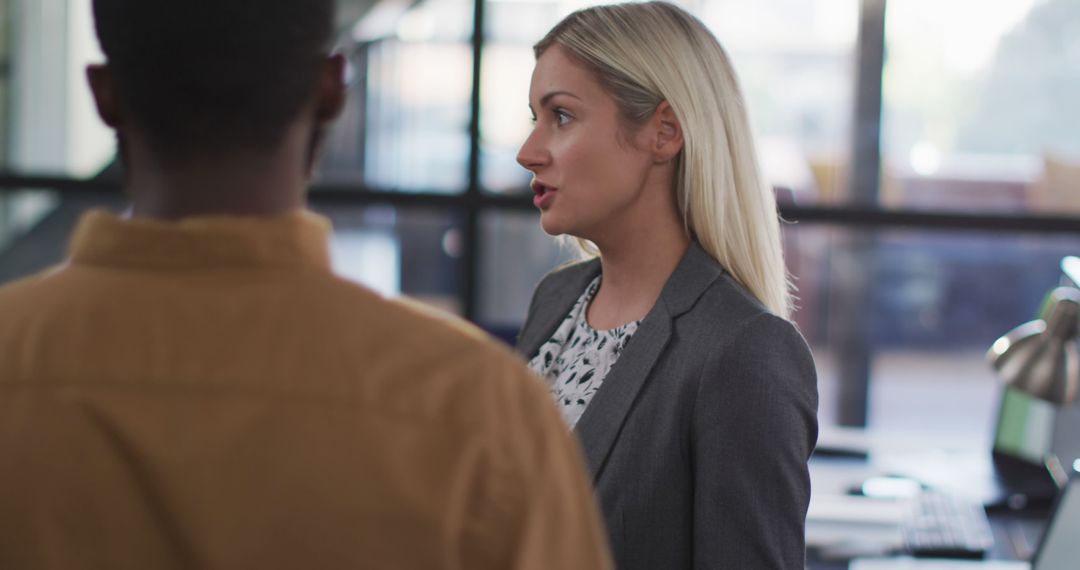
699 437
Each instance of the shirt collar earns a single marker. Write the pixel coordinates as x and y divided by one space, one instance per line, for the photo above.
294 240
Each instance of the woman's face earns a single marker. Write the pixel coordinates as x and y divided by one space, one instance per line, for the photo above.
588 175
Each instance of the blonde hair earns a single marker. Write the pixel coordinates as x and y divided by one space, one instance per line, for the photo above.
646 53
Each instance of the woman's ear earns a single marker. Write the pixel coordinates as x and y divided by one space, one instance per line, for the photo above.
103 89
669 134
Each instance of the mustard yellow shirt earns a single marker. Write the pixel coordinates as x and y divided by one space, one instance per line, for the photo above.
207 394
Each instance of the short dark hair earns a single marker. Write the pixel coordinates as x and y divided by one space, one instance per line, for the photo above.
214 75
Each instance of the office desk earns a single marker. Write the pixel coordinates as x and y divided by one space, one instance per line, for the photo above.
857 455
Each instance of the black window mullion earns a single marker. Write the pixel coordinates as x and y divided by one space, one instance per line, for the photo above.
473 246
854 350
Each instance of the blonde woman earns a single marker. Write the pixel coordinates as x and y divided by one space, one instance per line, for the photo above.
669 352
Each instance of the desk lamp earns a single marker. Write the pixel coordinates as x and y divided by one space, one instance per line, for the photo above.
1042 357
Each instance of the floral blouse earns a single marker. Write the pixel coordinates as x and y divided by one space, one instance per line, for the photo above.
578 357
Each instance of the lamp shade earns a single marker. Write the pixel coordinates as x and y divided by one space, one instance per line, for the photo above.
1041 357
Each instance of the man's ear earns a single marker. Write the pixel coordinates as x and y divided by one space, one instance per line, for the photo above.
669 134
331 88
103 89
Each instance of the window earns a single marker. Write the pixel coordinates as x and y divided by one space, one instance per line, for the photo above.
980 113
980 169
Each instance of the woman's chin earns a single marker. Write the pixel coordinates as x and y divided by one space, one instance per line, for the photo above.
552 225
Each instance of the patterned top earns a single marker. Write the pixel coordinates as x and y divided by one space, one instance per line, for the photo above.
578 357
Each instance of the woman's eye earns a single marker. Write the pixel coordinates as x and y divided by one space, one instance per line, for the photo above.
562 117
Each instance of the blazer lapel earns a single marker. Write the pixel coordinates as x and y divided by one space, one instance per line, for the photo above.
552 304
599 426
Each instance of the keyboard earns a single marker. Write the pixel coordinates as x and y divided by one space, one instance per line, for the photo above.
943 525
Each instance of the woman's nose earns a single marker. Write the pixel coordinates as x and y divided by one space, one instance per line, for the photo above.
532 154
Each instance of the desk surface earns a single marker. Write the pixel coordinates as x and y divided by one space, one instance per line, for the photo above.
857 455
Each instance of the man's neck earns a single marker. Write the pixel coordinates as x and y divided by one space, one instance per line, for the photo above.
268 183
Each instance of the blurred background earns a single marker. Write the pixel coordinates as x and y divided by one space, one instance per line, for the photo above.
926 154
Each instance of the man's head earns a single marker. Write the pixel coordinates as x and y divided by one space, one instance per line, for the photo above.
205 77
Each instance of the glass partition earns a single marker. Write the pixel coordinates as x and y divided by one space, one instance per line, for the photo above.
406 126
980 111
399 251
794 58
935 302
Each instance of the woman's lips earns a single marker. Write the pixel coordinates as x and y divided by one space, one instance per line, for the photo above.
542 194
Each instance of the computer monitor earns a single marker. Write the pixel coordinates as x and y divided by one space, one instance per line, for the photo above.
1059 547
1025 427
1066 442
1024 435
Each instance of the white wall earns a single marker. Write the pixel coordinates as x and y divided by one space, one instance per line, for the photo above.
55 129
90 144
